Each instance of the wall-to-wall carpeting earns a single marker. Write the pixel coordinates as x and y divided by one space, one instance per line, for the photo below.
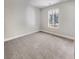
39 46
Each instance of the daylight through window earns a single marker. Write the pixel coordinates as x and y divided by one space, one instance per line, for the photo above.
53 18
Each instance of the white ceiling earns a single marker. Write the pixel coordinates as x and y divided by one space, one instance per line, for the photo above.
45 3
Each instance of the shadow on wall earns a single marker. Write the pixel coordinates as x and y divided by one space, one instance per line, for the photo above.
20 18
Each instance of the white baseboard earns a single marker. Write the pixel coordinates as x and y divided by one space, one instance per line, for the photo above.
60 35
11 38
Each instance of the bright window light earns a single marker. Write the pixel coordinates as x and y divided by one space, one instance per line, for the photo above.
53 18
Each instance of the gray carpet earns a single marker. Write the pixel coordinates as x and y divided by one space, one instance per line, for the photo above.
39 46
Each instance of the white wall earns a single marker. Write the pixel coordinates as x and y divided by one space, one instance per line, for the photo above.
67 15
20 18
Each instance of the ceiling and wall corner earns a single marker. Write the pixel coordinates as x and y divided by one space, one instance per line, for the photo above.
46 3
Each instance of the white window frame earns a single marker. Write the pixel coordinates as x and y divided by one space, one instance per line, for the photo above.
53 18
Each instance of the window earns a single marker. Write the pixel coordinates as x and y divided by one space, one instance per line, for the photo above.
53 18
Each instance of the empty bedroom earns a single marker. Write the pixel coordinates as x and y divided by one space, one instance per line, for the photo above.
39 29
